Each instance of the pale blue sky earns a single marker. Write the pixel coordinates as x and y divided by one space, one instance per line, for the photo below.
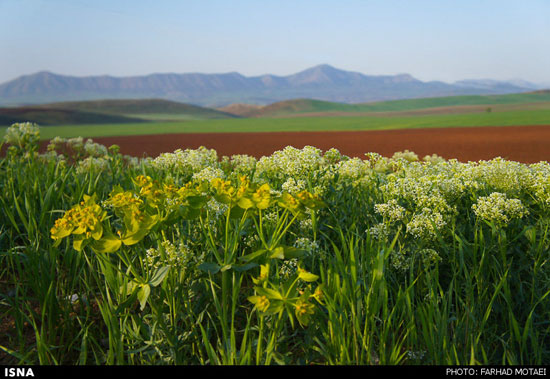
429 39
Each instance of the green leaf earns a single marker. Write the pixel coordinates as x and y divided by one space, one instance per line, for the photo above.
269 293
78 240
225 268
109 243
236 212
57 242
130 223
307 276
126 303
159 275
278 252
98 231
143 295
245 203
134 238
291 252
246 267
212 268
189 213
196 202
275 306
251 256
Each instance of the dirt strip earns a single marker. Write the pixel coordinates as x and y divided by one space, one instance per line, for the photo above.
526 144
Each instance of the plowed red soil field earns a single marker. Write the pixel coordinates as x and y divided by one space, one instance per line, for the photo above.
526 144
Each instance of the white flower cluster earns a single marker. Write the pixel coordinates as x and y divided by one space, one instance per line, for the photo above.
540 185
288 268
426 225
380 231
400 261
333 156
168 254
390 211
306 226
270 217
424 259
433 159
22 135
186 162
93 149
92 164
77 148
416 355
216 209
306 244
291 162
420 194
378 163
252 240
429 257
207 174
293 186
352 169
498 208
498 175
240 164
406 155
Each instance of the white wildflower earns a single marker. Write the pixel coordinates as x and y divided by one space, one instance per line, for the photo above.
391 211
426 225
498 208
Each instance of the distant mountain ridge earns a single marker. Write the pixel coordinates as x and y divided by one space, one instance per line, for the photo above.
322 82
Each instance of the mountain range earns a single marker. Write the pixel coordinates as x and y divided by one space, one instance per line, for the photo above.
322 82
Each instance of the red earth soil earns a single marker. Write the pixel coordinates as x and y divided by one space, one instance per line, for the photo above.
527 144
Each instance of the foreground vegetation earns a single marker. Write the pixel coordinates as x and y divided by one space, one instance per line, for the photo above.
302 257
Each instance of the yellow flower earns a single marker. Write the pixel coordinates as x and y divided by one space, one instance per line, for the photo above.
62 228
261 302
318 294
290 202
123 199
150 189
83 220
303 311
262 197
264 273
224 191
309 200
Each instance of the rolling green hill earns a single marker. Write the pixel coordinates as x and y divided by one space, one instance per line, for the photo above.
149 109
510 118
435 102
126 117
108 112
55 116
451 104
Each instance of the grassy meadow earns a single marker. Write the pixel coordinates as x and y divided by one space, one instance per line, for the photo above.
338 123
303 257
95 118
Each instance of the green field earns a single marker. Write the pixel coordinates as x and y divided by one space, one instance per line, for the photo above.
534 117
107 112
410 104
451 104
95 118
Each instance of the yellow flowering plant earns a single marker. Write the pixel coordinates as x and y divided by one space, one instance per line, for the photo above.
285 296
83 221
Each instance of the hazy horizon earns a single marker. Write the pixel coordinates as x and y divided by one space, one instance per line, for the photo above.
430 40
